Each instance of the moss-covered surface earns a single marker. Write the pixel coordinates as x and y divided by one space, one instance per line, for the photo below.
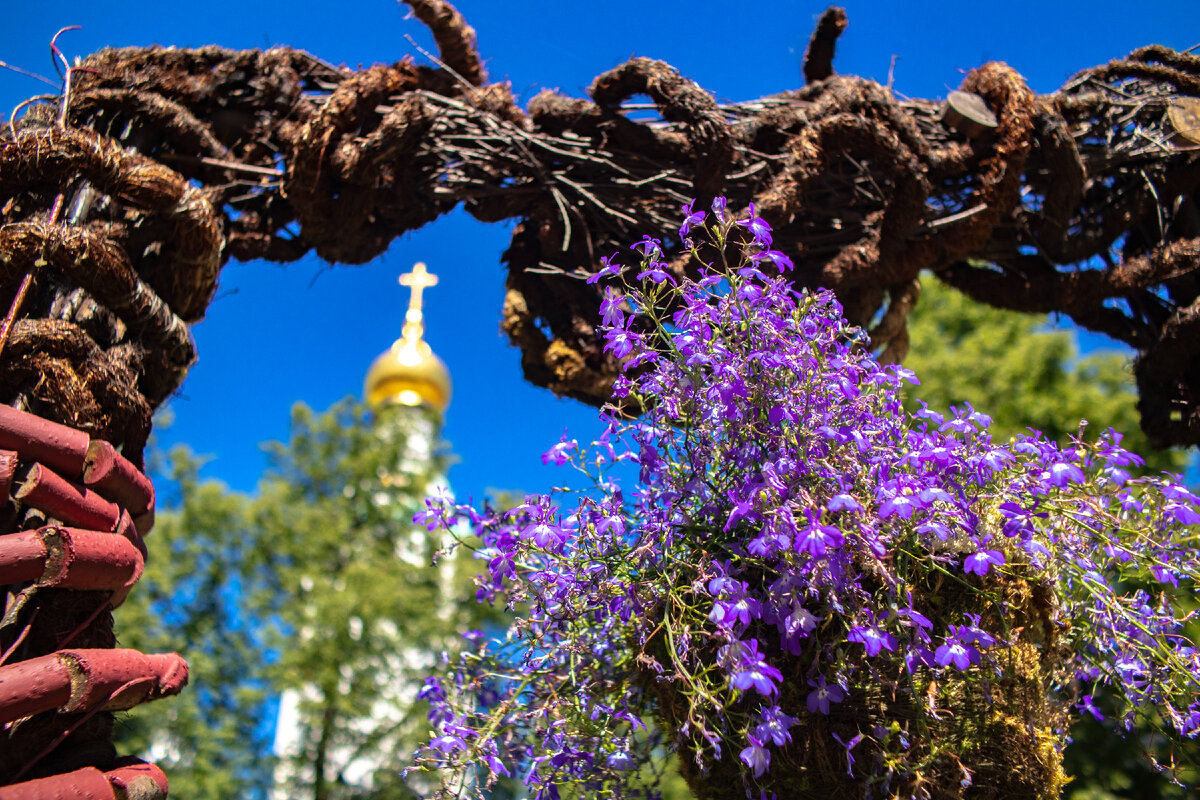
992 733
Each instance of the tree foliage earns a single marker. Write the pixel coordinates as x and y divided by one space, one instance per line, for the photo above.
193 599
358 613
1023 373
317 588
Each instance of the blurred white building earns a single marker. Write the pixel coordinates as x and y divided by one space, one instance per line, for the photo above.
408 389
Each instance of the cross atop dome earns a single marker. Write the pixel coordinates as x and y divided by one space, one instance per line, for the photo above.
418 281
409 373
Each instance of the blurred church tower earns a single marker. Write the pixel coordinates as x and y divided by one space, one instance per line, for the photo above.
407 389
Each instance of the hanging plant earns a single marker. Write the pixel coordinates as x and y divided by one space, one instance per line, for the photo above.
801 588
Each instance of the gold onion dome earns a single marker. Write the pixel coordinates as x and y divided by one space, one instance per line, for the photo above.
409 373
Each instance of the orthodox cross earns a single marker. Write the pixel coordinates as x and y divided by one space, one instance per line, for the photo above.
418 281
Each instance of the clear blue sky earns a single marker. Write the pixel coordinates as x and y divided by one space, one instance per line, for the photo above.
307 332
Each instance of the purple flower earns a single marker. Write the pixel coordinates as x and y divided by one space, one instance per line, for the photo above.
931 493
753 672
496 765
1085 704
1114 453
956 653
656 273
428 518
768 543
817 540
1062 473
750 291
448 744
723 584
727 613
904 374
822 695
781 261
544 535
980 562
432 691
874 639
850 745
741 509
800 622
1174 491
690 218
1018 521
620 342
608 268
899 504
757 226
1182 513
973 634
752 271
927 413
756 757
934 527
916 618
610 308
773 726
649 247
978 417
718 207
842 502
558 453
996 458
918 657
958 425
1164 574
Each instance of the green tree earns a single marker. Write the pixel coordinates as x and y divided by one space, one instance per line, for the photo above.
318 589
358 616
1024 375
192 599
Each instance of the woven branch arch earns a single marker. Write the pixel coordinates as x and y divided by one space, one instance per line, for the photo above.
1082 202
120 203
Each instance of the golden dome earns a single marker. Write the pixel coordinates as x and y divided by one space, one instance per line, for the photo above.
408 373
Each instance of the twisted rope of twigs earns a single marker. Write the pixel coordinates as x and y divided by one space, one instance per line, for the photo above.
105 255
1082 202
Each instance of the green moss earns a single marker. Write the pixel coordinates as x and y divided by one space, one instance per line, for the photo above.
1001 731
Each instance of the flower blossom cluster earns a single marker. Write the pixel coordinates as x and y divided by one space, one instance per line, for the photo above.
766 527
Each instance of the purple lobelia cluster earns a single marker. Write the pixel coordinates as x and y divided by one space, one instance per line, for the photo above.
780 575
